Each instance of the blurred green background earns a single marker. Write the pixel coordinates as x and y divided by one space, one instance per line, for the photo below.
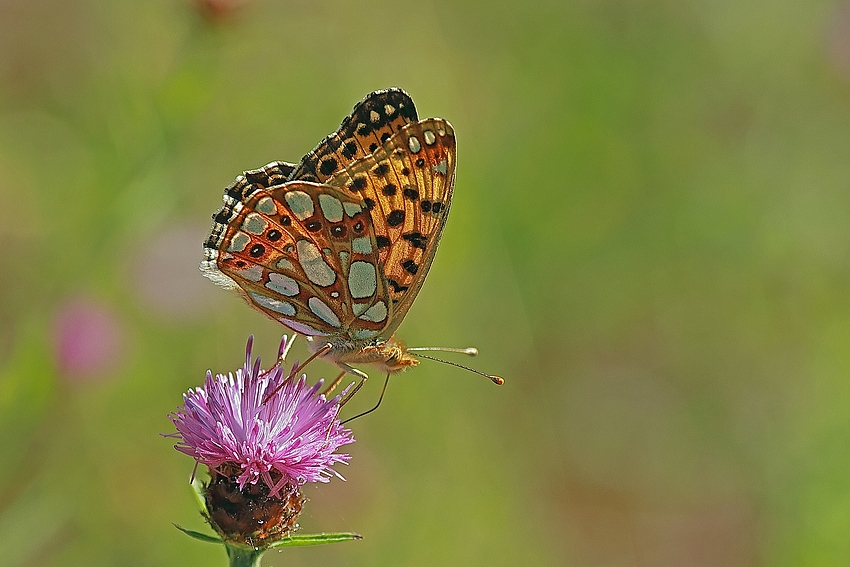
650 240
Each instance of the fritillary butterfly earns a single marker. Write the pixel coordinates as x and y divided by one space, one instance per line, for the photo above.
337 246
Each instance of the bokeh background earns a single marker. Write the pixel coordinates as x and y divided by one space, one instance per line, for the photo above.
650 240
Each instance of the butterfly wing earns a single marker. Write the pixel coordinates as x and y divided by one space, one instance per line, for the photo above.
370 124
346 258
305 255
239 191
406 185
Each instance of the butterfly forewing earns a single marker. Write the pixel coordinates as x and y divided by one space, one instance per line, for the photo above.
406 185
370 124
305 255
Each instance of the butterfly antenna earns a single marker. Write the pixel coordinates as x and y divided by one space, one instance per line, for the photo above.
383 391
320 352
470 351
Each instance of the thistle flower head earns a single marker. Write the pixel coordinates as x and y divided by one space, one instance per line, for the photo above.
288 437
263 434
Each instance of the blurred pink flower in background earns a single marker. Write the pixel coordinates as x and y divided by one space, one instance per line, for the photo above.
87 338
166 274
218 10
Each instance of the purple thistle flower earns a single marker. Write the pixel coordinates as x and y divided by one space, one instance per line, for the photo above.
288 439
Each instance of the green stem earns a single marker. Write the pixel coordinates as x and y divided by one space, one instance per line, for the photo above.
243 556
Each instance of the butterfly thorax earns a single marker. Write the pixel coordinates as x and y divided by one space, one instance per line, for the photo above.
390 355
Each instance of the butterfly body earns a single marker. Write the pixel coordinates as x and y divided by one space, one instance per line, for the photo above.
337 247
389 356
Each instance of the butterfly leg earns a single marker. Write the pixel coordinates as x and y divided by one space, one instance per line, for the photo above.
351 370
334 384
380 399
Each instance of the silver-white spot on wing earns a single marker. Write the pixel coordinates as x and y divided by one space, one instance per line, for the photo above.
276 305
323 312
318 271
362 280
238 243
283 284
254 223
300 204
362 245
266 205
302 328
351 208
376 313
331 207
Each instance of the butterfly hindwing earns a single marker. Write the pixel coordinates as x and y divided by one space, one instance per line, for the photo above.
406 185
372 121
305 255
239 191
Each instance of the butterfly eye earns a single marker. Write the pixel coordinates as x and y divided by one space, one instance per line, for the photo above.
358 227
338 230
257 250
314 226
274 235
285 221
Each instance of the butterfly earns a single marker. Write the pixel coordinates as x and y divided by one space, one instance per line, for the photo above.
337 246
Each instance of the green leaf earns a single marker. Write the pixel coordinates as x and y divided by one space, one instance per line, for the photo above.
198 491
313 539
199 536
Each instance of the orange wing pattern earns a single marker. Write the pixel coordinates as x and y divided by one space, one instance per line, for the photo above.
370 124
239 191
305 255
406 185
340 244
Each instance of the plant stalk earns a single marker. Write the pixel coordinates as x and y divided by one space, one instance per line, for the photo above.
243 556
